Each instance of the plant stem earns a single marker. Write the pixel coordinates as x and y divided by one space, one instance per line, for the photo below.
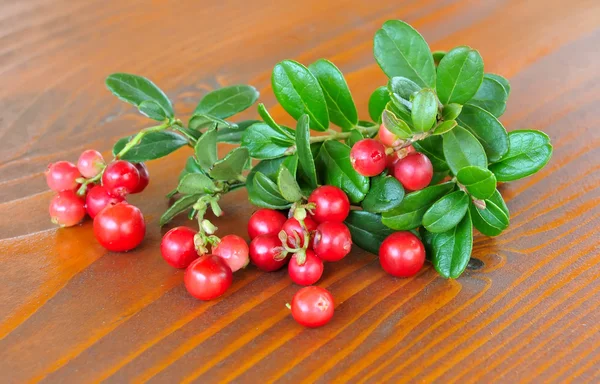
140 135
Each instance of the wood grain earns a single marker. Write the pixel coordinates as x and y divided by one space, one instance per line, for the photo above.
72 312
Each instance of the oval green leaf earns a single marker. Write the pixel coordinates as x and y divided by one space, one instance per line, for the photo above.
231 166
305 156
206 149
227 101
377 102
444 127
462 149
195 183
395 125
492 220
183 203
490 96
451 250
265 142
529 151
501 80
139 91
424 110
288 186
446 213
480 182
263 192
354 137
386 193
367 230
299 92
459 75
153 145
233 133
451 111
487 129
432 147
403 87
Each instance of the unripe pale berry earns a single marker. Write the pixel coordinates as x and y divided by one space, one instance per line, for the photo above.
90 163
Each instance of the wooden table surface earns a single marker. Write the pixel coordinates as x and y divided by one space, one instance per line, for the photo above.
72 312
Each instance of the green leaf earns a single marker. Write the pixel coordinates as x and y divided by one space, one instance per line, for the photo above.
444 127
490 96
386 193
487 129
288 186
291 162
452 249
438 176
451 111
305 156
501 80
403 87
529 151
367 230
354 137
142 93
196 183
226 102
191 166
206 149
200 121
377 102
446 213
395 125
480 182
262 111
400 110
265 142
183 203
432 147
409 214
231 166
492 220
153 145
233 133
462 149
263 192
342 111
424 110
336 169
299 92
459 75
401 51
438 56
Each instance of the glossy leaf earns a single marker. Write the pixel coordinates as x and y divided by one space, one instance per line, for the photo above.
341 108
401 51
409 214
231 166
206 149
490 96
501 80
432 147
153 145
377 102
386 193
459 75
451 111
354 137
191 166
265 142
233 133
446 213
264 114
263 192
529 151
451 250
492 220
305 156
424 110
196 183
395 125
227 101
367 230
288 186
183 203
400 110
333 163
299 92
462 149
403 87
444 127
487 129
480 182
200 121
142 93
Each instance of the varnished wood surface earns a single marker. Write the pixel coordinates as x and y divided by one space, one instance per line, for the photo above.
72 312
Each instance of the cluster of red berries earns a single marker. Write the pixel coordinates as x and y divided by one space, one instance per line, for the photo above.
91 187
411 168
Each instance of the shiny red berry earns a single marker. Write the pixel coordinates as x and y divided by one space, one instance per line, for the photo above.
265 252
331 204
402 254
265 222
144 177
368 157
98 198
332 241
414 171
207 277
90 163
292 228
309 272
312 306
120 227
177 247
234 250
62 176
67 209
120 178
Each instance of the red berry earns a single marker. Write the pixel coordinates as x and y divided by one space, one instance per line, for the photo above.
62 176
90 163
265 222
308 273
234 250
263 251
312 306
120 178
292 227
414 171
388 138
67 209
402 254
177 247
98 198
119 227
368 157
144 177
331 203
208 277
332 241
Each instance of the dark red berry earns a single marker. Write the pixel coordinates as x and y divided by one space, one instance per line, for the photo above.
234 250
312 306
265 222
177 247
332 241
207 277
402 254
67 209
414 171
144 177
368 157
98 198
120 178
62 176
120 227
309 272
265 252
331 204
